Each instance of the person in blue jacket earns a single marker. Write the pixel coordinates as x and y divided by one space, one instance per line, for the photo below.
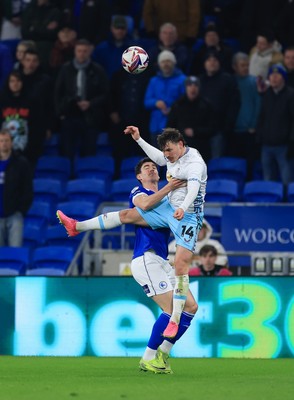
162 91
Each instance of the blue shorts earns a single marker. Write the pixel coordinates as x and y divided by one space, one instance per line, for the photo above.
185 231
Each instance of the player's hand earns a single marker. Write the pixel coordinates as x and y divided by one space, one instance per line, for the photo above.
179 214
177 183
134 131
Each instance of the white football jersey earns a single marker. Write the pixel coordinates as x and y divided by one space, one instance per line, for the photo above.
190 167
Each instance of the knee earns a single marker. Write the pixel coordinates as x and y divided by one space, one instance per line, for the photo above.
191 308
123 216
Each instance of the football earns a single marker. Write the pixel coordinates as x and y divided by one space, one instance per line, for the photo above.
135 60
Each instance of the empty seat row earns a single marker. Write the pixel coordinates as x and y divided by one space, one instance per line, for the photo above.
98 167
226 190
47 260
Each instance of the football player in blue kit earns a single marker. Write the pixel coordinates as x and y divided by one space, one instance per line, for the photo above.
155 275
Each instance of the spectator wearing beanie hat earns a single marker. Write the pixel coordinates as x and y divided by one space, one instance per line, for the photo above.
211 42
162 91
275 128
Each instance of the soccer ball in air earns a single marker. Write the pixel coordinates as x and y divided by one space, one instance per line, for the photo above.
135 60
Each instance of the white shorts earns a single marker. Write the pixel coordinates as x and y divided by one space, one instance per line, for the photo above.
154 274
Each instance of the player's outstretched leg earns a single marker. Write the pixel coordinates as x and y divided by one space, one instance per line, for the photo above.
105 221
101 222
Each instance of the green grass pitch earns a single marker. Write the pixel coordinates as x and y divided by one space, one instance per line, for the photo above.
90 378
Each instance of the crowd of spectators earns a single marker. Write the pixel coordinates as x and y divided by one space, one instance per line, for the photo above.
220 71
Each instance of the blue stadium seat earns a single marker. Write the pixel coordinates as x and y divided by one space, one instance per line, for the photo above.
221 191
290 192
33 236
121 188
50 191
99 167
86 189
127 168
233 168
45 272
103 145
263 192
79 210
14 260
39 214
51 145
56 236
53 167
214 216
56 257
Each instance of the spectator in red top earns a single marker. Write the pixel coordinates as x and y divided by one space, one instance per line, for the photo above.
208 267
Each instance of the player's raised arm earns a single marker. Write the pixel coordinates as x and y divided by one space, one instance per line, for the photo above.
152 152
134 131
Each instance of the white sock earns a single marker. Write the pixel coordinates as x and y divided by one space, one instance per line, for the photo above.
180 296
166 346
149 354
104 221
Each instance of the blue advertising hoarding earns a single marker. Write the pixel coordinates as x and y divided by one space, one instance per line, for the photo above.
258 228
110 316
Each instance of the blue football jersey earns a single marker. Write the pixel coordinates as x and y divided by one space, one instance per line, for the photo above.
147 238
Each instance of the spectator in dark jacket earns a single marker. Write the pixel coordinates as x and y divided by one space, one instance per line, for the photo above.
221 90
168 40
16 192
212 42
289 65
81 100
108 52
275 128
39 87
193 116
40 22
127 108
17 113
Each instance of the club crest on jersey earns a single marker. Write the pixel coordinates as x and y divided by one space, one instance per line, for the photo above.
162 285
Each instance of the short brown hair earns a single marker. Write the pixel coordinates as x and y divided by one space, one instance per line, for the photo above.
207 248
169 135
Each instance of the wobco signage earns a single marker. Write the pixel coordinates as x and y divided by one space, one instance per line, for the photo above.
258 228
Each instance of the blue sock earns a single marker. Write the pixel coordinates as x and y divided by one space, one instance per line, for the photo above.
185 322
159 326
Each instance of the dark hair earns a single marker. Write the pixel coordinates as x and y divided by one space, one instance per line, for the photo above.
268 34
32 52
170 135
16 74
207 248
83 42
289 48
140 164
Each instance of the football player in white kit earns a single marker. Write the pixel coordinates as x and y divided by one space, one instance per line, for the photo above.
182 212
154 274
